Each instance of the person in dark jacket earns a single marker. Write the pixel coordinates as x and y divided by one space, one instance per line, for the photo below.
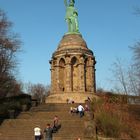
55 123
48 132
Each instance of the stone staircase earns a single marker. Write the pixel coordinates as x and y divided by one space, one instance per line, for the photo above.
21 128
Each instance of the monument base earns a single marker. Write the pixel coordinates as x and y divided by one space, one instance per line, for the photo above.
63 97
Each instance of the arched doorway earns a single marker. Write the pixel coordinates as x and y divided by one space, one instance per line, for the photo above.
61 81
74 73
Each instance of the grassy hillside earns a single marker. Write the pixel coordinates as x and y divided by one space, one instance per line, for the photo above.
115 117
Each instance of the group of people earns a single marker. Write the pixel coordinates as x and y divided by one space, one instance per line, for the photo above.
48 131
80 109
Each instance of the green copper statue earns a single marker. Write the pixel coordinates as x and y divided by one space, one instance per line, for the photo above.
71 17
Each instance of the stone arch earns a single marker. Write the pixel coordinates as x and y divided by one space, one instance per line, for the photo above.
74 73
61 81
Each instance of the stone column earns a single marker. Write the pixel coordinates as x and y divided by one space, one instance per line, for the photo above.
57 82
92 75
52 76
52 81
81 75
91 78
68 79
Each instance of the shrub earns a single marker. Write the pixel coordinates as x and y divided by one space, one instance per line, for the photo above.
96 104
111 119
15 103
109 125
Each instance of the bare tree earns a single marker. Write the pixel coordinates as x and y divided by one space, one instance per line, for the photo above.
136 66
127 77
9 46
120 75
130 78
37 91
132 81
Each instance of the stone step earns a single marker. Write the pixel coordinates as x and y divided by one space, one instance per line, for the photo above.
22 127
19 127
54 107
66 132
49 115
61 132
32 138
29 127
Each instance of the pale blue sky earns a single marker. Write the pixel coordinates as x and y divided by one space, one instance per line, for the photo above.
108 26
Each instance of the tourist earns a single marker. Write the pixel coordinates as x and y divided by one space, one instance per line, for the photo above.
86 108
76 110
67 100
80 109
55 123
70 101
37 132
48 132
88 99
73 110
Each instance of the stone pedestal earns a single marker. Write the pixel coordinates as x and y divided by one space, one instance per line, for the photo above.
76 97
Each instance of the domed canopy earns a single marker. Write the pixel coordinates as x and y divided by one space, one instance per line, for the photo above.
72 41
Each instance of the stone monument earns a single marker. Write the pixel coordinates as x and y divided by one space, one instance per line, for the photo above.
72 64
